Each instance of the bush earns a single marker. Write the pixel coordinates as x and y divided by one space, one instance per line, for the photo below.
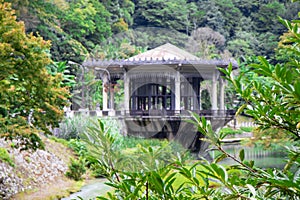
59 140
70 128
78 146
76 169
4 156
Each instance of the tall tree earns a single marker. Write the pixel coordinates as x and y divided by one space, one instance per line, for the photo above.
246 7
121 14
213 17
268 14
230 14
162 13
205 43
31 99
244 43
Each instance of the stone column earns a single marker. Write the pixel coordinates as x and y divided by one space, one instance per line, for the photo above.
222 94
126 93
105 91
214 99
112 97
177 92
200 100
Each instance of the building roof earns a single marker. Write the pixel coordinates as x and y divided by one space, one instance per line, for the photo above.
165 52
158 60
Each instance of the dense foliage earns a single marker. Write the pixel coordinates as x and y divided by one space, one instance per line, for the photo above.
77 28
31 99
120 29
272 97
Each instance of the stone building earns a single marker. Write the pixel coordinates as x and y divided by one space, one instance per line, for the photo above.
161 87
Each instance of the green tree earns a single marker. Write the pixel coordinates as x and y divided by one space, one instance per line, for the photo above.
44 17
246 7
230 13
205 43
194 17
74 28
267 14
86 22
78 20
213 17
161 13
121 11
267 43
62 68
31 99
243 44
152 37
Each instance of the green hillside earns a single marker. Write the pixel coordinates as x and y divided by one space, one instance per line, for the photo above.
118 29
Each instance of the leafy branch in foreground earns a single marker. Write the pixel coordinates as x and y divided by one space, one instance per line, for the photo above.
144 174
256 180
276 104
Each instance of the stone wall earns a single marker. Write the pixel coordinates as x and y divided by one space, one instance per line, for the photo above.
31 170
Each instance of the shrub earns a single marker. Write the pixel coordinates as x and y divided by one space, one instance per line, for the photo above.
70 128
76 169
78 146
4 156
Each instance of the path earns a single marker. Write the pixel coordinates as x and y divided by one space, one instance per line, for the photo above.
91 190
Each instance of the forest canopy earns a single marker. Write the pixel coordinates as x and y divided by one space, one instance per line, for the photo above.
81 28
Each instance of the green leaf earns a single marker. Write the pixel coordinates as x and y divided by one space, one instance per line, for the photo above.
242 155
220 157
184 171
240 110
101 125
169 185
252 189
220 171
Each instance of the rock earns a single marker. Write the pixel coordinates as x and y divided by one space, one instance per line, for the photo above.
10 184
39 167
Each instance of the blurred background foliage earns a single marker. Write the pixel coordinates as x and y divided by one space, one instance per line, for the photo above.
81 28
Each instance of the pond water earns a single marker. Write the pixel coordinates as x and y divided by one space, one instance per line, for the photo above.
263 158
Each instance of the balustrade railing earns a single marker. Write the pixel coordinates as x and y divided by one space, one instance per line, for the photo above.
151 113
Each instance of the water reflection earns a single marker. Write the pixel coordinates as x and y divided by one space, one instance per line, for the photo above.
263 158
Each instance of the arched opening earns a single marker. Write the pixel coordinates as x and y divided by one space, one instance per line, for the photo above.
152 98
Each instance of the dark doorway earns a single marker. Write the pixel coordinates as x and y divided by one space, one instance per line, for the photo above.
152 96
